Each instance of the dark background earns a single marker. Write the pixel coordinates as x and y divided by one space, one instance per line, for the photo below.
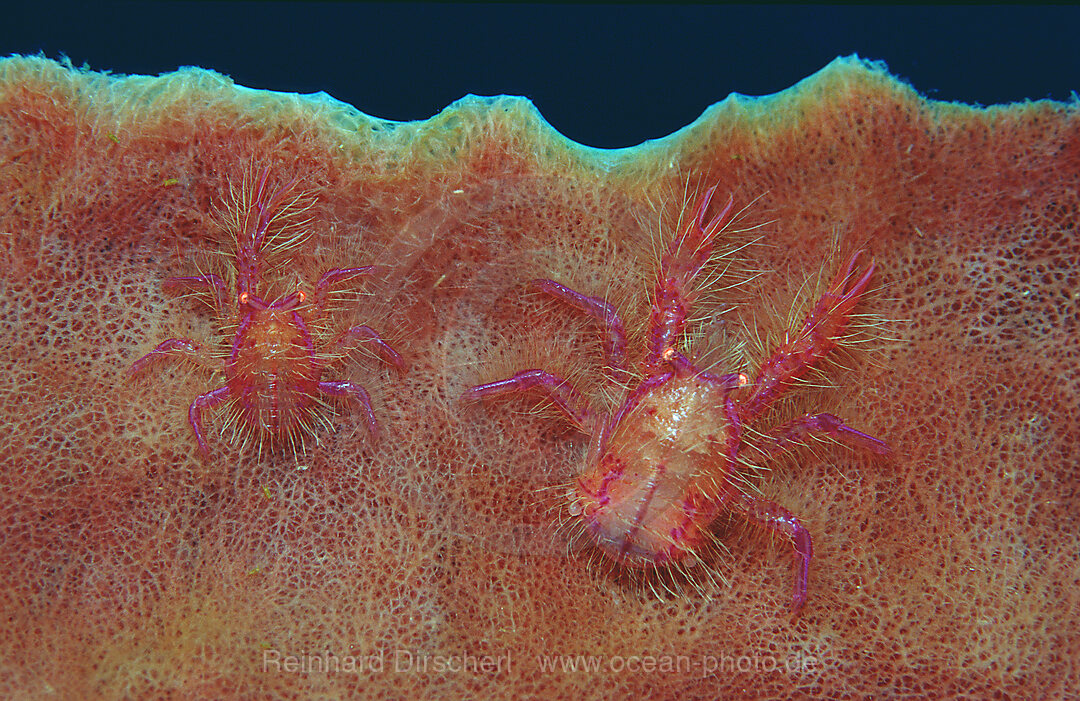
605 75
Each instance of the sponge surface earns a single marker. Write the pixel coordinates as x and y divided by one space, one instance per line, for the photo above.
428 563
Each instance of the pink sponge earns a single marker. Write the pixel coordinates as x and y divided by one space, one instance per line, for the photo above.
428 562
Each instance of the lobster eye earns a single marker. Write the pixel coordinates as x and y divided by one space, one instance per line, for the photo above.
300 295
744 379
244 297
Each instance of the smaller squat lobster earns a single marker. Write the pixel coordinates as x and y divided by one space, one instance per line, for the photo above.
273 367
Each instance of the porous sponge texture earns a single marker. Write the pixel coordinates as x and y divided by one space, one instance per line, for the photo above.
134 568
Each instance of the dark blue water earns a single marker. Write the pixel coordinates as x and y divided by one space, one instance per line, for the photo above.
604 75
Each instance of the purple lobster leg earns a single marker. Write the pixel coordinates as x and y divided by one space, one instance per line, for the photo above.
201 403
597 308
673 294
174 347
557 389
821 332
776 518
332 276
382 349
357 393
794 433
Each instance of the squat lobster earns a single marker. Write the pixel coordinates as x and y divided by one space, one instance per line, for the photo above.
665 463
273 367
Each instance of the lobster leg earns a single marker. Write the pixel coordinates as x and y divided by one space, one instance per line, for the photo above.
597 308
819 334
776 518
557 389
795 433
355 392
671 299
